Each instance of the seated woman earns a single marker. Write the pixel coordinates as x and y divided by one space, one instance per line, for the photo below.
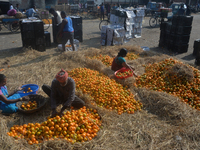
119 62
8 101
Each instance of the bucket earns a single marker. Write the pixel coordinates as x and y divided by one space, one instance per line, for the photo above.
33 87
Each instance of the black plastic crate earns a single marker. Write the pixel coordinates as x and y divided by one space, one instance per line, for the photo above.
170 45
39 33
185 20
196 48
47 38
167 36
76 19
197 61
183 48
27 26
28 35
184 30
174 29
41 48
29 43
162 35
163 25
40 41
162 43
168 27
79 37
181 39
77 27
39 25
175 20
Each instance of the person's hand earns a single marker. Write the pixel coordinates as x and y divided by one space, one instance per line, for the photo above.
25 98
19 89
62 110
54 113
61 114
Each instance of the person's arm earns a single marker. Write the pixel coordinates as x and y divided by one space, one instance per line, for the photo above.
10 101
64 22
5 100
71 96
124 64
53 95
15 91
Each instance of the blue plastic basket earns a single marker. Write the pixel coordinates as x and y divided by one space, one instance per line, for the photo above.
34 88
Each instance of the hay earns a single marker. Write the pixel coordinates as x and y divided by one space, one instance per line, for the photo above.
164 123
181 71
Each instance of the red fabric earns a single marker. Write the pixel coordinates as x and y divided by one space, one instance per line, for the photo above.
62 78
115 66
12 12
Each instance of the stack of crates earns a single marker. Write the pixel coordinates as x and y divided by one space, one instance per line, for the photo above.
177 34
196 51
32 33
78 27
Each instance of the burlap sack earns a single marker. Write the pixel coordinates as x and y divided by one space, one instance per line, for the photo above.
18 15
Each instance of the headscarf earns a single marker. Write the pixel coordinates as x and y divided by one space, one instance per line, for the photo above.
62 76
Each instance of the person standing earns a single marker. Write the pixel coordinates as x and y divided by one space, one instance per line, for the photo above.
66 31
62 91
11 6
85 6
17 7
102 11
181 11
188 10
57 24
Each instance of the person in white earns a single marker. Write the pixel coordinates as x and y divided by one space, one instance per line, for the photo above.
57 20
57 17
11 6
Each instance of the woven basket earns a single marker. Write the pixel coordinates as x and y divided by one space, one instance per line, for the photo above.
41 101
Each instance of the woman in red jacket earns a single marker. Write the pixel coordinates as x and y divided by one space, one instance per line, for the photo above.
119 62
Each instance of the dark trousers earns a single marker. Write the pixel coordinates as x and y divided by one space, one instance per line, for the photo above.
102 15
77 103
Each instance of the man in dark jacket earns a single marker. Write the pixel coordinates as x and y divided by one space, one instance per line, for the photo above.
62 91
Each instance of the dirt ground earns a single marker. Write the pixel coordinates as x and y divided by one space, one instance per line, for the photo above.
91 38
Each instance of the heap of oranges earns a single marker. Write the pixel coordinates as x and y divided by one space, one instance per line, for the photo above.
29 106
132 56
28 90
104 91
105 59
75 126
157 79
124 74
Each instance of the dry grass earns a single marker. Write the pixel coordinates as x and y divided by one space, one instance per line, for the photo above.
164 123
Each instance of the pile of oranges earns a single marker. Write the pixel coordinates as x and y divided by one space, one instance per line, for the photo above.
75 126
132 56
104 91
105 59
29 106
157 79
124 74
28 90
